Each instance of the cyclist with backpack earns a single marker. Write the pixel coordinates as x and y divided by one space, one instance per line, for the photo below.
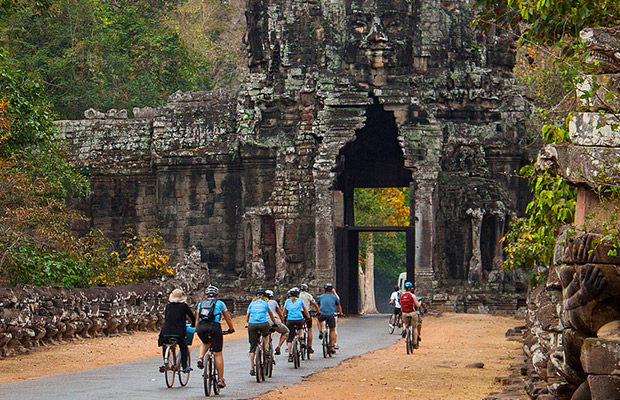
258 323
209 329
409 304
176 313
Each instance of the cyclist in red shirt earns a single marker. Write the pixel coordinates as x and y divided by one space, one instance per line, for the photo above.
409 304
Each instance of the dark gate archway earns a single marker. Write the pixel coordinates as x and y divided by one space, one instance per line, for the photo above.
347 249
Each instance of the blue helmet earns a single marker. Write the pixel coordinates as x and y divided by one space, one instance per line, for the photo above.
408 284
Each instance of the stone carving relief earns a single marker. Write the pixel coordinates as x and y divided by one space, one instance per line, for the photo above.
474 275
255 264
379 38
603 44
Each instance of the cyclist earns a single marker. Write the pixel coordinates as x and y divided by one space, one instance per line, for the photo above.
258 323
408 304
209 329
275 309
308 300
394 301
329 304
295 311
176 313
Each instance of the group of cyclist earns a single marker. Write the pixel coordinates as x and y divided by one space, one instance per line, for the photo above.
264 314
411 308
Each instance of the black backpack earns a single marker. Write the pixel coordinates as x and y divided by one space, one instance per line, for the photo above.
207 310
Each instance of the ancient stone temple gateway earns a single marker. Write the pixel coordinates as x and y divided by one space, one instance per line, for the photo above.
340 95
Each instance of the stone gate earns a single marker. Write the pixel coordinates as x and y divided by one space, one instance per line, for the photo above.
340 94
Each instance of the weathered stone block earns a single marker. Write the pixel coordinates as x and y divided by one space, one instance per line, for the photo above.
601 356
604 387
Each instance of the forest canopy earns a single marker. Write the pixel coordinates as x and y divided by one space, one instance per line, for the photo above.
120 54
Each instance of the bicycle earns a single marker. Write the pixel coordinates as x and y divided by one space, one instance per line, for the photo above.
210 376
398 323
296 349
409 339
326 341
264 359
303 343
172 363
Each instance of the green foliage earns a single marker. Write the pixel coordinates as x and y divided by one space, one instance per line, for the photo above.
36 245
548 22
31 138
530 240
101 54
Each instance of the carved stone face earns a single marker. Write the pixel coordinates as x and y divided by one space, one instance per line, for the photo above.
380 34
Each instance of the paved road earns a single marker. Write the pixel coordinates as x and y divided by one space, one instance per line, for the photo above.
141 379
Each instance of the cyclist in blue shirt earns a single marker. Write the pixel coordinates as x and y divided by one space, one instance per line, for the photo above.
209 329
258 310
329 304
296 314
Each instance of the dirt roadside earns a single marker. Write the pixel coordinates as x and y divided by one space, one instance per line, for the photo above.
438 370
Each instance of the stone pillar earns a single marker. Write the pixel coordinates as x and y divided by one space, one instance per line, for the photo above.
500 220
424 211
281 264
474 275
254 262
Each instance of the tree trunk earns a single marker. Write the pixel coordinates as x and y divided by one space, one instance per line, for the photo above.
368 291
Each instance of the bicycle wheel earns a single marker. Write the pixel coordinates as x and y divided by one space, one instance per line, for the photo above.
207 375
215 376
325 344
307 346
258 362
408 342
269 361
303 346
184 377
390 326
170 362
296 355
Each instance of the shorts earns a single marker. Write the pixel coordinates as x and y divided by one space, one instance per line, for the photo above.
256 330
329 319
414 317
397 311
293 326
281 328
309 323
211 332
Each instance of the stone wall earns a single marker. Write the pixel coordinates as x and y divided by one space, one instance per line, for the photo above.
339 95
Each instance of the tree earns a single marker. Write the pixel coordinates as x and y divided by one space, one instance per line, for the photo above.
380 207
101 54
36 245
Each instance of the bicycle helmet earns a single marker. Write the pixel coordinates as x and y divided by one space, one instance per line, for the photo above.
294 292
260 292
408 284
269 293
212 291
328 286
304 287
